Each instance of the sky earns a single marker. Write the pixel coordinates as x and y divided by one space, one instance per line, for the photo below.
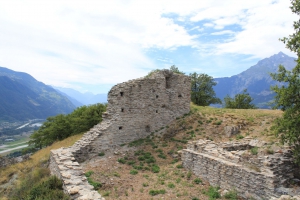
92 45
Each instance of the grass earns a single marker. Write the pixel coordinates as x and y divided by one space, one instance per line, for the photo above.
232 195
213 193
35 164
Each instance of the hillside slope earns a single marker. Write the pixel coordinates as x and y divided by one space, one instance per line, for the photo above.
23 98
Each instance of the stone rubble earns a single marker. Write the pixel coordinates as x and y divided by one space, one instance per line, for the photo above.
226 165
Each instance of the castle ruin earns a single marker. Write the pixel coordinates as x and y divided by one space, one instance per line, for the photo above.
135 109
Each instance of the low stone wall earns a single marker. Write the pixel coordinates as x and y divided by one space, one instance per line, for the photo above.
260 177
64 166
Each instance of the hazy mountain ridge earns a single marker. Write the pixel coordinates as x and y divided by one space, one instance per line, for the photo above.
84 98
256 80
23 97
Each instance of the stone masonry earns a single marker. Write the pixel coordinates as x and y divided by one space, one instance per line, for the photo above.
230 166
135 109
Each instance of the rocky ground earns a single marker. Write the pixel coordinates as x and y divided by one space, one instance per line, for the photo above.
129 173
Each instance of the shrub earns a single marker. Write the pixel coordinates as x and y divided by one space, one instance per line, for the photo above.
156 192
155 168
213 193
189 174
145 184
171 185
197 180
106 194
89 173
101 154
238 137
162 156
96 184
133 172
51 188
254 151
179 166
121 160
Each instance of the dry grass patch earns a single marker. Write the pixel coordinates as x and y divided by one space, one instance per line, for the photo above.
38 159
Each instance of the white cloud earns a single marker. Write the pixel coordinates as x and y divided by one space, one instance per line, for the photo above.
104 42
223 32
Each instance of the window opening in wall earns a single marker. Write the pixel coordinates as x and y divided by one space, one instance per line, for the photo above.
168 85
120 127
147 128
179 95
121 93
156 111
156 96
122 109
140 86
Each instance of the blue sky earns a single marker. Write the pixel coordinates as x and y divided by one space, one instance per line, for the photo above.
93 45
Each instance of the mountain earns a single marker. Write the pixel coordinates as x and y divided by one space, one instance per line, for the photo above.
22 97
74 101
84 98
256 80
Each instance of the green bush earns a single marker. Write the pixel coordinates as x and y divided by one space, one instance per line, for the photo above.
49 189
189 174
213 193
89 173
156 192
179 166
171 185
62 126
101 154
197 180
254 151
238 137
133 172
155 169
122 160
96 184
162 156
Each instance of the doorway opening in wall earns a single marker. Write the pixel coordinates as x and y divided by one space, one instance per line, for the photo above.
156 111
168 84
120 127
121 93
122 109
147 128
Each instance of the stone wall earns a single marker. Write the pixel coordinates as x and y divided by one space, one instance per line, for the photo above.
225 165
135 109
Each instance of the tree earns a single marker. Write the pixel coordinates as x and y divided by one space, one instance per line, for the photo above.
240 101
288 95
202 92
62 126
175 69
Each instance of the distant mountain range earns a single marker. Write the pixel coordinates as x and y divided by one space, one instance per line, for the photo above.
22 97
256 80
82 98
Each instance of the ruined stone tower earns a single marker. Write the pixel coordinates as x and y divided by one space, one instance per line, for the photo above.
135 109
